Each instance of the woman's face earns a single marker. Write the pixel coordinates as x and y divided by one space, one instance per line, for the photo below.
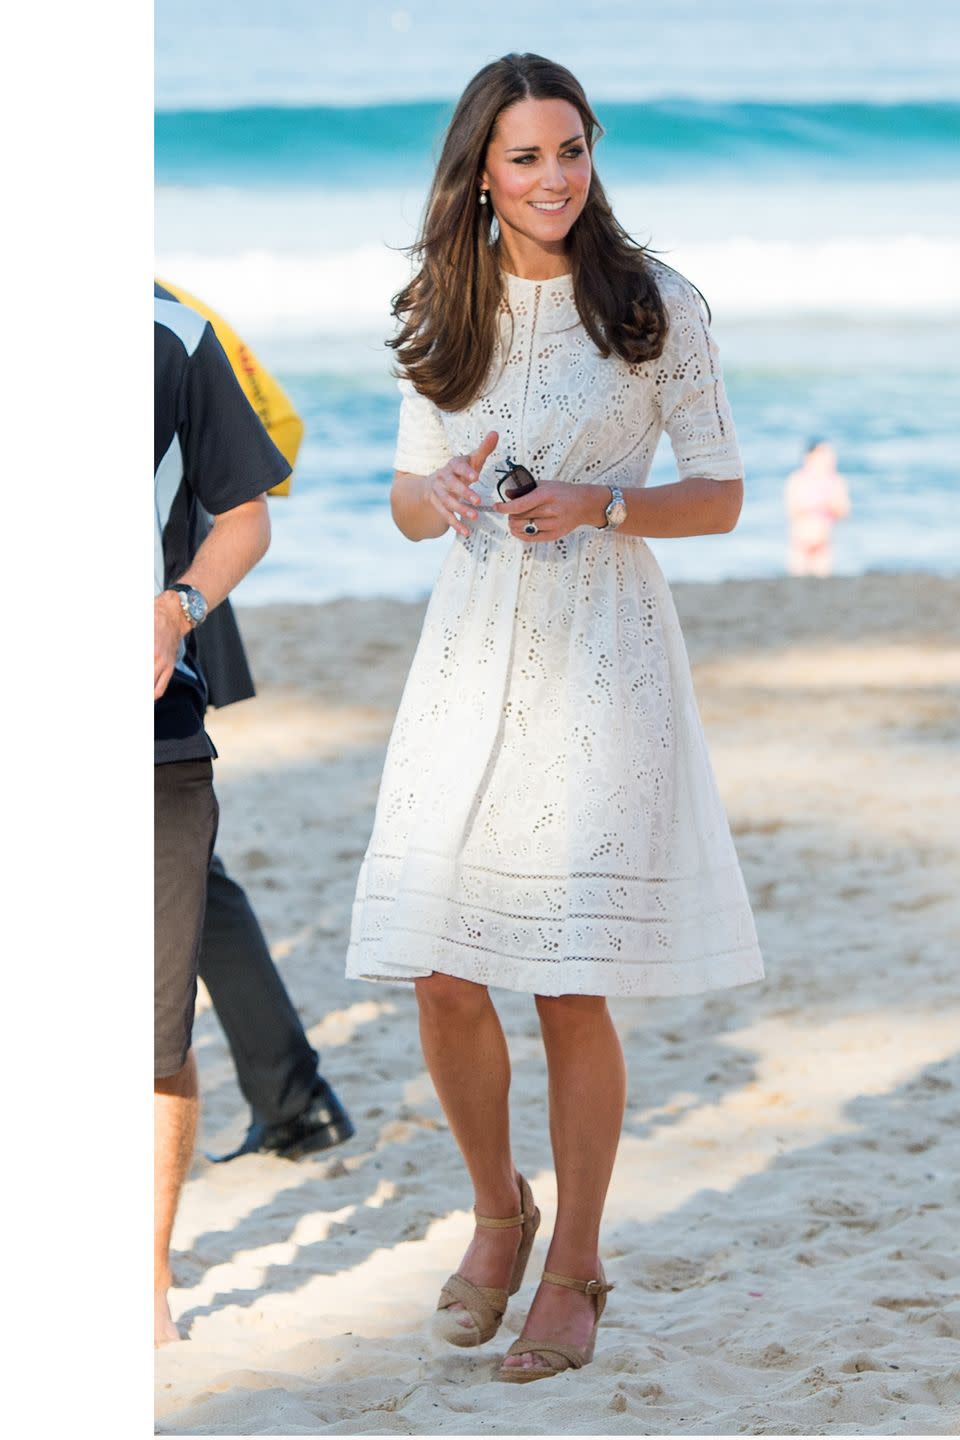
538 171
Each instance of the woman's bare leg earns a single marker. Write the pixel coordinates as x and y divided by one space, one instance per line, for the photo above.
587 1098
466 1054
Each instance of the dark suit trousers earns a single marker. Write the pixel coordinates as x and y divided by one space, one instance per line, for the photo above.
276 1066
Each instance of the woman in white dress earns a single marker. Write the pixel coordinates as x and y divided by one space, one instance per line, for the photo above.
548 819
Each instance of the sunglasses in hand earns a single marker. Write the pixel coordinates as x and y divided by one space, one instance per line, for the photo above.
515 481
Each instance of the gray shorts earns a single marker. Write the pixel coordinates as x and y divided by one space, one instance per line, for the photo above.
185 817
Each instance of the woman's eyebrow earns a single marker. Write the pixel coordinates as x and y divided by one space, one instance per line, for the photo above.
561 146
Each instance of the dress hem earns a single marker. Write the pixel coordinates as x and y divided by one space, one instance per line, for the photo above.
742 967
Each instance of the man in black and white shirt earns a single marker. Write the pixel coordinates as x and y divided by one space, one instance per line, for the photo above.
294 1110
213 464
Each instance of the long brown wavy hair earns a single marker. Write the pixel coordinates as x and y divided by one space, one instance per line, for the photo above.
448 312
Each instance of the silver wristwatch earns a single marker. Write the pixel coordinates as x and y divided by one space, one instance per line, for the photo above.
192 603
616 511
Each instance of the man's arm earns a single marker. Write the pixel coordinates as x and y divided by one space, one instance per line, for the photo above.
237 540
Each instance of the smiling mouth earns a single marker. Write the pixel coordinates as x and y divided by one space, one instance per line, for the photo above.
550 207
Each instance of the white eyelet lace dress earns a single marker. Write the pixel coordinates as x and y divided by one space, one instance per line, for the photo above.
548 818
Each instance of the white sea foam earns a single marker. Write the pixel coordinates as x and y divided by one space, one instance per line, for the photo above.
219 220
267 293
906 274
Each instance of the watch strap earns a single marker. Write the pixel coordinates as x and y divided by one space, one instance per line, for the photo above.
183 593
616 498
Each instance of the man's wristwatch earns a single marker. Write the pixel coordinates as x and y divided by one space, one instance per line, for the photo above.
192 603
616 511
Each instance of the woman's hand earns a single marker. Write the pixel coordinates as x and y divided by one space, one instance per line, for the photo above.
555 507
448 489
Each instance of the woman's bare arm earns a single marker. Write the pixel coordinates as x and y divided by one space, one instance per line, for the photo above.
424 507
413 514
695 506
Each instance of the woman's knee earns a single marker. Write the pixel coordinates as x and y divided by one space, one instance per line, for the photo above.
570 1011
448 998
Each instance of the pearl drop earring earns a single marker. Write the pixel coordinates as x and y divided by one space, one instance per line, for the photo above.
483 197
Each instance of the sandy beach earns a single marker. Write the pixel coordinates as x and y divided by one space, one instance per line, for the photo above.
779 1221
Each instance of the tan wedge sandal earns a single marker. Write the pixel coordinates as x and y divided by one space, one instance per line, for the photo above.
484 1303
569 1357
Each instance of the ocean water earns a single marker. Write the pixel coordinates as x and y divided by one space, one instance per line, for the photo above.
798 163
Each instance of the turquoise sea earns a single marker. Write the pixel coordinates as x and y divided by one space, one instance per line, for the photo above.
798 163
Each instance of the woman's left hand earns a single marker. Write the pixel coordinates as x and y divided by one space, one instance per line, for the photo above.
555 508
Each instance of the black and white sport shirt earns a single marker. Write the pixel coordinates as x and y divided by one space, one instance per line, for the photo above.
211 453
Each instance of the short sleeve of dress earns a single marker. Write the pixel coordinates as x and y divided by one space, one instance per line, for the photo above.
693 400
421 440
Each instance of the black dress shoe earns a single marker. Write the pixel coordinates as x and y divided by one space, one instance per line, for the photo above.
323 1124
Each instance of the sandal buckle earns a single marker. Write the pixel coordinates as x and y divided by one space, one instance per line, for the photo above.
594 1287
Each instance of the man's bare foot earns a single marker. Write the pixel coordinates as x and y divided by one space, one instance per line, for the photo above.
164 1330
557 1314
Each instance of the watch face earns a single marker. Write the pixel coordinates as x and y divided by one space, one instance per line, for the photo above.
616 512
196 606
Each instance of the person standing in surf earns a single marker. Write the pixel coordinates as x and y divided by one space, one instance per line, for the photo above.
548 819
816 498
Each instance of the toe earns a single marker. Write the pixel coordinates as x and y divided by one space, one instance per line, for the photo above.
462 1314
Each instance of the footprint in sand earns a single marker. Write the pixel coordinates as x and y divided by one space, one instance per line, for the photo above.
775 1357
917 1147
858 1364
676 1273
907 1302
256 859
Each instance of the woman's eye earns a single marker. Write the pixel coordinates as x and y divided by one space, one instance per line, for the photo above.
573 153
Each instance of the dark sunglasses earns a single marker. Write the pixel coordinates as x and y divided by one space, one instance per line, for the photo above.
516 481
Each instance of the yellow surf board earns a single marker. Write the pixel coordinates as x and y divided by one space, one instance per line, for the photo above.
267 397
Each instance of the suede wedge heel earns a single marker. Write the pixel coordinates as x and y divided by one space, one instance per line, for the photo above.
485 1304
568 1357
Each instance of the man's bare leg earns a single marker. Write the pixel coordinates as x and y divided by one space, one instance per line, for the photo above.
175 1109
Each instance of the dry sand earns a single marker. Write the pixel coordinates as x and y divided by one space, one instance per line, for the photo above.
782 1223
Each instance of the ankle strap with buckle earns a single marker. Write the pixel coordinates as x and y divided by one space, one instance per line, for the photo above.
586 1287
